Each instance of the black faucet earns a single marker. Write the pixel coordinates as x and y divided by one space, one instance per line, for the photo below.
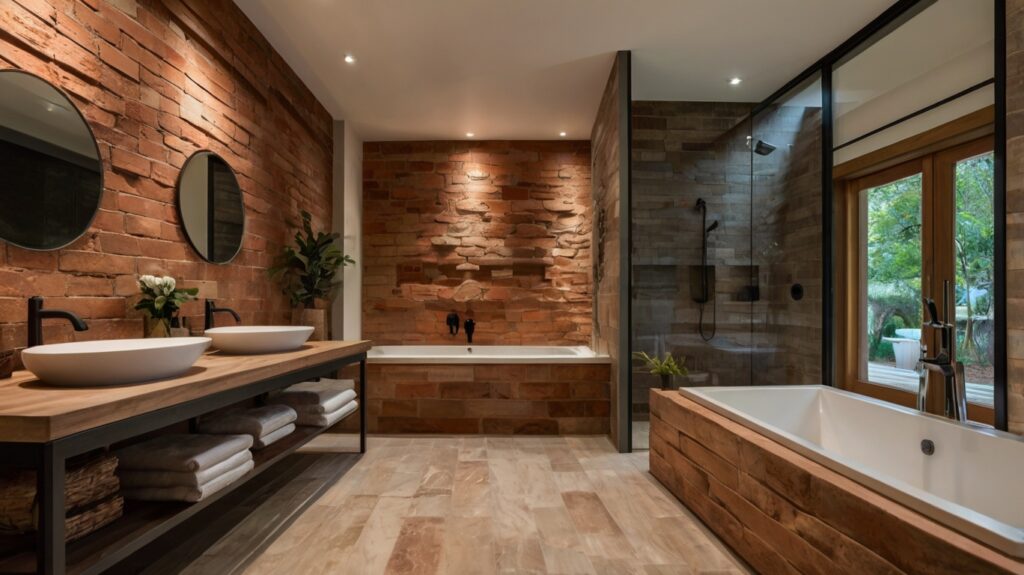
453 323
36 315
211 308
470 327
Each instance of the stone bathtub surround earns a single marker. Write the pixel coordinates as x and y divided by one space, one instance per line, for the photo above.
501 399
157 81
498 231
784 513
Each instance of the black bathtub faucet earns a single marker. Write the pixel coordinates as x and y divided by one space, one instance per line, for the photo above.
211 309
470 327
453 323
36 315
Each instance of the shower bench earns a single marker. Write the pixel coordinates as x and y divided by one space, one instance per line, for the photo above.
42 427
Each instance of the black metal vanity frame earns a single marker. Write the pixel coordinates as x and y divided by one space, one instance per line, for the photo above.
49 461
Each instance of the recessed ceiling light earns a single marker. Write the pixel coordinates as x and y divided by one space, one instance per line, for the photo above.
735 81
470 134
562 134
350 59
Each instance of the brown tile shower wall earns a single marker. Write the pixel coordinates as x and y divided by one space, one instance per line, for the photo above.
1015 212
683 151
513 399
157 81
784 513
496 231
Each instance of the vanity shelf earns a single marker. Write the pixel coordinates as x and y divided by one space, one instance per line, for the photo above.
218 382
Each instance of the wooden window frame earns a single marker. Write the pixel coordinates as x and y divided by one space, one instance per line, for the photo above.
932 152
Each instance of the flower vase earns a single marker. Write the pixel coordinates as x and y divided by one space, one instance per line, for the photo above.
156 326
666 381
314 316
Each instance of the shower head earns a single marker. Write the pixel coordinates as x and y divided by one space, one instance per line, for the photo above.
712 227
763 148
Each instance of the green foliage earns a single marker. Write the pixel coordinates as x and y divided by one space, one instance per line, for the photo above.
667 366
161 297
307 271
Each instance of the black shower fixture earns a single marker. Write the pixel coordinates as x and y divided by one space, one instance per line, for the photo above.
763 148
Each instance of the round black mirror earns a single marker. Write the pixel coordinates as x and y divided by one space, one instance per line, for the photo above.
210 207
52 171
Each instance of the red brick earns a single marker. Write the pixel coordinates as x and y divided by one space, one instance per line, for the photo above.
116 59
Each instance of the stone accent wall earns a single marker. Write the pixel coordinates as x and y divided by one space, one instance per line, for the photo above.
156 82
491 399
1015 212
784 513
607 313
496 231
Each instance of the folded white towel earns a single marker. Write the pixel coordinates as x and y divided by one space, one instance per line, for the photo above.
274 436
327 419
314 392
182 452
330 406
189 494
257 421
134 478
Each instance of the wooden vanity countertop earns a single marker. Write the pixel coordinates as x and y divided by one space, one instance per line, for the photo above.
31 412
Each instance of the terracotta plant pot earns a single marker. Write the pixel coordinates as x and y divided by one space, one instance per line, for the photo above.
156 326
313 317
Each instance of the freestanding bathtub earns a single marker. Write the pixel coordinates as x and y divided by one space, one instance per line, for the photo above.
967 479
489 389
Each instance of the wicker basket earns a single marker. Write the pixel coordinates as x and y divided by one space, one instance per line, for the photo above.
103 513
84 485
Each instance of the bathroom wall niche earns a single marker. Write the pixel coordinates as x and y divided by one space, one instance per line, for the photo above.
211 208
51 166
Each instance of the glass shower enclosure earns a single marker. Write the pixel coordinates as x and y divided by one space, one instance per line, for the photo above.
726 261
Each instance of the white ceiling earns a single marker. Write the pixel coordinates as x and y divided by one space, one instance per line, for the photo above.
528 69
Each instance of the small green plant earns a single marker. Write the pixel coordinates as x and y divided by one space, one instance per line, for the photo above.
667 366
161 297
307 271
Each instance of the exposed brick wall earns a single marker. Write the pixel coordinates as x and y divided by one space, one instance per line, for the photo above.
158 80
1015 212
607 165
496 231
784 513
512 399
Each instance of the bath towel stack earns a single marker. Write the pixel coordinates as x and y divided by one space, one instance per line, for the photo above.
265 424
183 467
320 403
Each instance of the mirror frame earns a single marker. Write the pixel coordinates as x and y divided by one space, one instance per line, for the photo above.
181 216
99 158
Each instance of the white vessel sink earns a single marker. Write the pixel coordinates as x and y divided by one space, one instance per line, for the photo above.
251 339
113 361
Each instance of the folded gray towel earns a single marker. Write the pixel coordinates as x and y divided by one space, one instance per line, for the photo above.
189 494
273 436
314 392
330 406
327 419
182 452
134 478
257 421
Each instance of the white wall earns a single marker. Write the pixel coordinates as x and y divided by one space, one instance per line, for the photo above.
347 220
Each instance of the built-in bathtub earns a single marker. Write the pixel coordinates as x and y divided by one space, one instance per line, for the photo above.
490 389
922 493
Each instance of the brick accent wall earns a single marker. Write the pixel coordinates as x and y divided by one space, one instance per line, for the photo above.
513 399
158 80
1015 212
496 231
608 162
784 513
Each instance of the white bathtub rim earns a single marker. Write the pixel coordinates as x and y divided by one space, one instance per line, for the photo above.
983 528
584 355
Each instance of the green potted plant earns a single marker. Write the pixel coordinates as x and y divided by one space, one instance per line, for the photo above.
161 300
307 272
665 368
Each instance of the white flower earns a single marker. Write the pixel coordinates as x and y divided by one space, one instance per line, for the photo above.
149 282
168 283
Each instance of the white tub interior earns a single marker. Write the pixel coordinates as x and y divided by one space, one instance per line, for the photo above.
483 354
972 482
